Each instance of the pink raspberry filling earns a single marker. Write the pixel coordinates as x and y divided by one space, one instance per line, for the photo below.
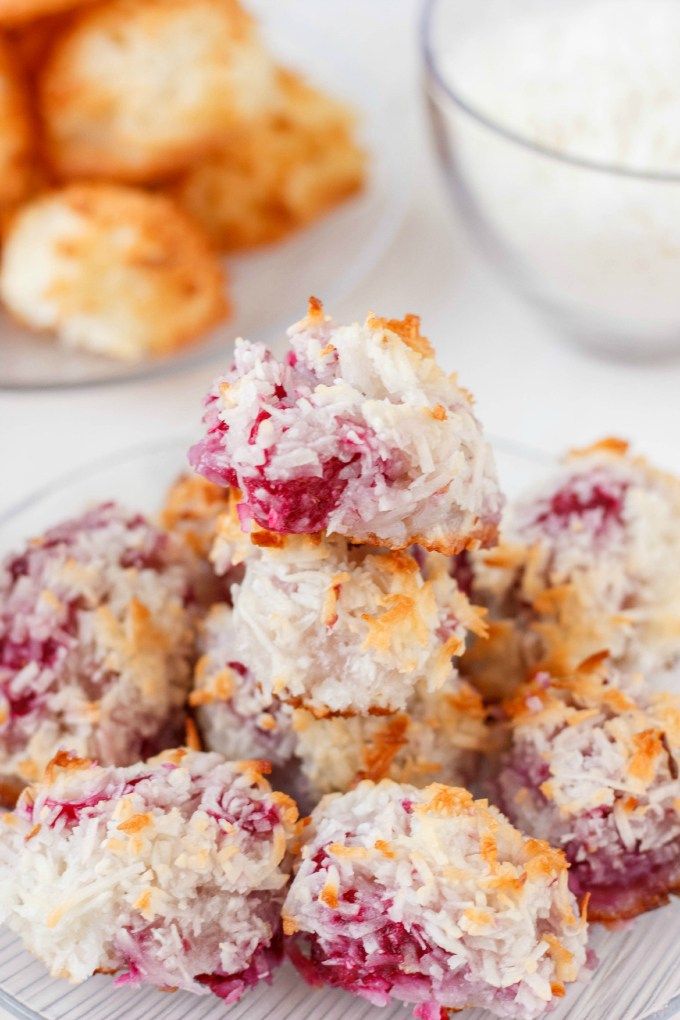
597 499
21 648
400 964
231 987
297 505
138 960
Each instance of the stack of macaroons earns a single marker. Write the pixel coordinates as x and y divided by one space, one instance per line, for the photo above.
354 463
320 581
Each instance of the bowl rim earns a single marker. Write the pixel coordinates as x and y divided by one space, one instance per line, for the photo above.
434 70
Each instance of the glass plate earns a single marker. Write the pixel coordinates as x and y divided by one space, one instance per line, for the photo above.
639 964
269 286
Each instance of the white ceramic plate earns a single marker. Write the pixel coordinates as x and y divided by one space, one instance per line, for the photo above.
270 286
639 965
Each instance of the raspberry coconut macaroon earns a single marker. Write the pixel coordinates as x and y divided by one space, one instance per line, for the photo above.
343 629
357 432
170 872
96 639
440 737
594 770
588 561
433 899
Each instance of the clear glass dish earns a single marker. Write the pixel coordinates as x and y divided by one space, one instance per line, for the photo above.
268 286
639 970
595 245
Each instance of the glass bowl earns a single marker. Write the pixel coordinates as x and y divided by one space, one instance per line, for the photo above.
270 285
638 974
593 244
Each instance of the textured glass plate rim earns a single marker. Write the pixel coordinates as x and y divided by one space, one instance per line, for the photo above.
178 444
396 188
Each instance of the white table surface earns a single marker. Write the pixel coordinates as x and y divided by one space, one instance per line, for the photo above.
531 385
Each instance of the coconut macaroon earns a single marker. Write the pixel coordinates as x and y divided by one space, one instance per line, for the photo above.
16 147
343 629
170 872
588 561
439 737
594 770
434 899
19 12
278 173
124 97
357 431
96 639
112 270
234 715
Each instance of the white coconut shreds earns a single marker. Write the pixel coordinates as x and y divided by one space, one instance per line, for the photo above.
432 898
347 629
96 639
357 432
439 737
594 769
233 714
170 872
588 561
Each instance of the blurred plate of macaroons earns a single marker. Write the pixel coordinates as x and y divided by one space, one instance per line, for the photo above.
168 170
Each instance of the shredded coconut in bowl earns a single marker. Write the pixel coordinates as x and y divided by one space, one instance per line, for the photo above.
234 715
356 432
440 736
96 639
347 629
594 769
588 561
170 872
433 899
